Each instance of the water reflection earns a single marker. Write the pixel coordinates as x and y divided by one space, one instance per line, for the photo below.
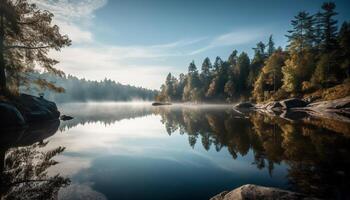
24 163
108 113
318 158
136 151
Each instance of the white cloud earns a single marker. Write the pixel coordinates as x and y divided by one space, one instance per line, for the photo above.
97 62
238 37
73 16
97 65
87 58
68 10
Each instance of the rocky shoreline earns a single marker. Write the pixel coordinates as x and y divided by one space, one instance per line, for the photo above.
294 109
26 109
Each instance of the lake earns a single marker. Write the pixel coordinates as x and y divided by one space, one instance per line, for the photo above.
136 151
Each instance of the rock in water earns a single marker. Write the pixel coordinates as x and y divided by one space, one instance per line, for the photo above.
160 103
250 192
244 105
66 118
10 116
293 103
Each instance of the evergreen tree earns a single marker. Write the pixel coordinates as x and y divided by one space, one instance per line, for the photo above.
214 89
257 64
344 50
301 37
318 31
243 64
26 37
192 88
329 26
206 75
270 46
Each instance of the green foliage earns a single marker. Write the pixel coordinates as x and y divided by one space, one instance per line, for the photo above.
317 56
27 35
301 37
344 49
329 26
297 68
270 77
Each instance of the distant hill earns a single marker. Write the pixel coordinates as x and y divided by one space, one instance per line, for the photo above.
82 90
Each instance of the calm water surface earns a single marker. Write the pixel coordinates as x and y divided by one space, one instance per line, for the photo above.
136 151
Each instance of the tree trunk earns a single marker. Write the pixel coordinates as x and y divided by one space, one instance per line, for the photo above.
2 59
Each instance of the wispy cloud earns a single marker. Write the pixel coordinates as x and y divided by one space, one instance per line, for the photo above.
138 65
73 16
236 37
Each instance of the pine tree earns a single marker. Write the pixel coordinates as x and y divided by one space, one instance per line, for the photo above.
301 37
270 46
206 75
26 37
329 26
256 64
344 50
192 90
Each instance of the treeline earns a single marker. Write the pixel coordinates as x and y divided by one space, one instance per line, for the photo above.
317 56
82 90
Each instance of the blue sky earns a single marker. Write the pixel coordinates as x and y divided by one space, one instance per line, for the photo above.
138 42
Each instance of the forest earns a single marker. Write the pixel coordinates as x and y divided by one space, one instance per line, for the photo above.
73 89
316 58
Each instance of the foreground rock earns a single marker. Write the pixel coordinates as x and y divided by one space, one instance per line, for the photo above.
251 192
26 109
160 103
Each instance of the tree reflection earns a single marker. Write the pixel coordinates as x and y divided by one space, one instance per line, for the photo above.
25 161
317 156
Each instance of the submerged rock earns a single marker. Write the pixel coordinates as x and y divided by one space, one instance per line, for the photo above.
293 103
250 192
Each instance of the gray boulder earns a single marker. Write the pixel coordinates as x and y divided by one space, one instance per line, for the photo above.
293 103
251 192
10 116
